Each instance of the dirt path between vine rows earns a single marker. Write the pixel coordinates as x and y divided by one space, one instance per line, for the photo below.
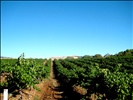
58 90
51 90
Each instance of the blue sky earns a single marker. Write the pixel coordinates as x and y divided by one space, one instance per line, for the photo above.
60 28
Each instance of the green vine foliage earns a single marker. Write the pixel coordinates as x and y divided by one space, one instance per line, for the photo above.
25 73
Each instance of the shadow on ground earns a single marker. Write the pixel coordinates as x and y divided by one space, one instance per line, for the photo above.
66 88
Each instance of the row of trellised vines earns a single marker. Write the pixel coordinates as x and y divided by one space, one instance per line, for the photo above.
24 73
106 84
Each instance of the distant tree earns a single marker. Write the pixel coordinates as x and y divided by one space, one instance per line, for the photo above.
97 56
128 52
87 56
